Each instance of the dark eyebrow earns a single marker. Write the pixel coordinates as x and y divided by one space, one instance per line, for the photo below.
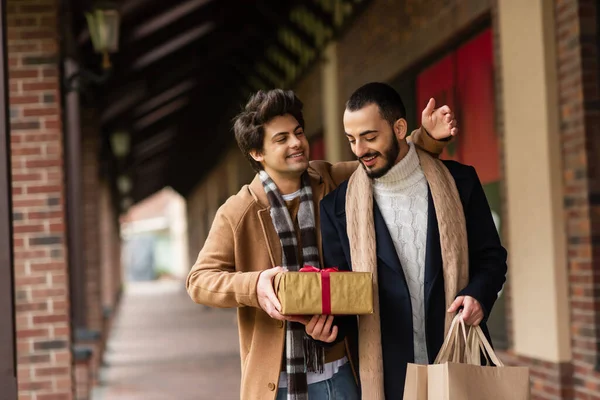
365 132
286 133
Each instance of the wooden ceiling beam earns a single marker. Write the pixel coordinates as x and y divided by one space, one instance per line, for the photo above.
326 18
278 14
135 47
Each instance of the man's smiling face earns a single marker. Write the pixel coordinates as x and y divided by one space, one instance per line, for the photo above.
285 148
372 140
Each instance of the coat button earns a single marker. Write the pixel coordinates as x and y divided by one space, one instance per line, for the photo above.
271 386
280 324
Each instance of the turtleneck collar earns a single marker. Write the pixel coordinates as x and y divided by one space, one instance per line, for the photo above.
402 175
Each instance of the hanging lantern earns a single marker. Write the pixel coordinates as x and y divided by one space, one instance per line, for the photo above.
103 24
120 142
124 184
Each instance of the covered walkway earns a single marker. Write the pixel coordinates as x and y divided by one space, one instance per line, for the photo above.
163 346
107 103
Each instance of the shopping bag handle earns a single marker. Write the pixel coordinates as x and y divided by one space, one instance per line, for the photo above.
474 350
476 342
450 350
470 348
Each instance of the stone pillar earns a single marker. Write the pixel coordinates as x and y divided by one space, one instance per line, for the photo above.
333 131
534 181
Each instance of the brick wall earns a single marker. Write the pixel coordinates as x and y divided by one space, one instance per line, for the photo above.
83 381
41 271
549 381
577 35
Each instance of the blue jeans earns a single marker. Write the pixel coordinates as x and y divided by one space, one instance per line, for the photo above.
341 386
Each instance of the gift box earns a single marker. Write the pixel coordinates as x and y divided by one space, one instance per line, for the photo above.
311 291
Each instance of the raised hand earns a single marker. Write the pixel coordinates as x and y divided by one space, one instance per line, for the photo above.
439 123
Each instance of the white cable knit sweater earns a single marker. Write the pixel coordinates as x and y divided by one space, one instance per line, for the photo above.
401 195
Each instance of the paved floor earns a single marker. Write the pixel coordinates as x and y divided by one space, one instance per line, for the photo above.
165 347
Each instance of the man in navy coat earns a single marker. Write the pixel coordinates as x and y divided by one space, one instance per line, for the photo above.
409 259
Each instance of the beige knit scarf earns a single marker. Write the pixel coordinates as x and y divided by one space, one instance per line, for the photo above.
363 251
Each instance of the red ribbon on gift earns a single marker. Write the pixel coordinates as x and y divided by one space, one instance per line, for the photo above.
325 285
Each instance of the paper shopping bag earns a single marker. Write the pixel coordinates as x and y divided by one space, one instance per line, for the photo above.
456 381
457 373
415 386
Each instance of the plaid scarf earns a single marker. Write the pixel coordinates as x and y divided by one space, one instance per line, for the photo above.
302 354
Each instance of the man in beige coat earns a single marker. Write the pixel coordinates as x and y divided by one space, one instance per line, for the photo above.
243 251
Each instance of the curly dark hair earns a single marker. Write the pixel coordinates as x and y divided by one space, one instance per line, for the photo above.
262 107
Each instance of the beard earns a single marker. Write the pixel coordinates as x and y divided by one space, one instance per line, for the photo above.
390 156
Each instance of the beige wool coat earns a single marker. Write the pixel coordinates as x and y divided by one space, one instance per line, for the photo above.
241 244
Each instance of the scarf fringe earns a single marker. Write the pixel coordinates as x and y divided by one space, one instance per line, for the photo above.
314 356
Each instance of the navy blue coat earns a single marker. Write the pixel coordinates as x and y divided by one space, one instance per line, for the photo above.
487 271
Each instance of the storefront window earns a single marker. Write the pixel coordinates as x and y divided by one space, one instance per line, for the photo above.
464 79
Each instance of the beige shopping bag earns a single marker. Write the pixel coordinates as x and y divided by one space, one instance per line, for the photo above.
415 386
457 373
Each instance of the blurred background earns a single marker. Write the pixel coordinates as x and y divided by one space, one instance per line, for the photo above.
116 151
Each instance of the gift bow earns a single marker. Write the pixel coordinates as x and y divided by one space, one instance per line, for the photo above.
310 268
325 285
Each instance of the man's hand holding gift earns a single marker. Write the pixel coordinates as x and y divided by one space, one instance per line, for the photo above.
267 299
319 327
284 296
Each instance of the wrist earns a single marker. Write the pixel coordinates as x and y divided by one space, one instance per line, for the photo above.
446 139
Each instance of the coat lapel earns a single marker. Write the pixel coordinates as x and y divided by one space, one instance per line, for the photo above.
268 230
433 255
386 251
